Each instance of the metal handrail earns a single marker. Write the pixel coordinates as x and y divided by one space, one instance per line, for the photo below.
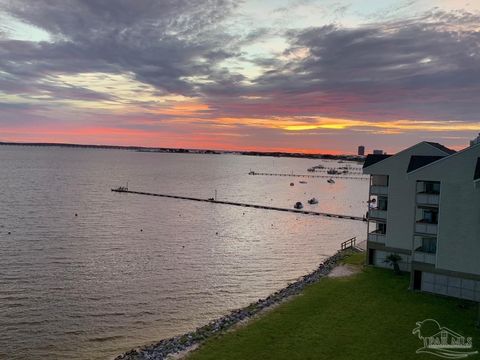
348 243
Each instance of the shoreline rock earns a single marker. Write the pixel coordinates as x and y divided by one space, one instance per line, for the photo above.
165 347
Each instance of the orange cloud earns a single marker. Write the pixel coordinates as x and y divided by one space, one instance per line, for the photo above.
182 108
386 127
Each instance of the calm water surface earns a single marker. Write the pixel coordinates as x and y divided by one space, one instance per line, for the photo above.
130 269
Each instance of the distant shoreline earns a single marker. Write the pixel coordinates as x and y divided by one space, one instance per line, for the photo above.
191 151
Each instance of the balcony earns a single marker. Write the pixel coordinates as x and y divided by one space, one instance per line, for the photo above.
377 214
377 236
424 257
378 190
426 227
425 198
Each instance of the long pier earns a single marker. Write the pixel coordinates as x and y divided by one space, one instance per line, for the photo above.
306 212
332 176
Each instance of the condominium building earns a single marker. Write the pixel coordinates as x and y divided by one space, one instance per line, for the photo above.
424 205
361 150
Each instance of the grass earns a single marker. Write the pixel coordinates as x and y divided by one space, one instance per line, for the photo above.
370 315
356 259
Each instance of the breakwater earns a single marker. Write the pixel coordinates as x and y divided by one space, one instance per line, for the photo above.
162 349
265 207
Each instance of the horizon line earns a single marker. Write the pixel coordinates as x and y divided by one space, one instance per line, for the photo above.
139 147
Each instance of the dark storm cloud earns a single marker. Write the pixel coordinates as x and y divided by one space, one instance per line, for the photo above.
160 42
20 81
87 20
14 106
427 68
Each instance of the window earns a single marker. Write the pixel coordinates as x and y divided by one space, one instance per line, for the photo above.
430 216
429 245
380 180
382 203
381 228
432 187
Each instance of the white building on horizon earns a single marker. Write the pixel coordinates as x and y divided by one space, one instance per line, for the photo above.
427 211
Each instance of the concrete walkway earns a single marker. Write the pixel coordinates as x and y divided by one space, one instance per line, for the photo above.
343 271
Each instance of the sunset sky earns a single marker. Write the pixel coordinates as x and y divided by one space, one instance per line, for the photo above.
292 75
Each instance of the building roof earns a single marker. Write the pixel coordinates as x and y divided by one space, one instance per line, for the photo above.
441 147
417 161
476 175
373 159
474 148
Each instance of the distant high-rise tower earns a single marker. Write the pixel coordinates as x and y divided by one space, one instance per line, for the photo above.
361 150
378 152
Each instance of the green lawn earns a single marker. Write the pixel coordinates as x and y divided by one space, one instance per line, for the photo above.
366 316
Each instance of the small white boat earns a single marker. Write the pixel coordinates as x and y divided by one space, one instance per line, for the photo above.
298 205
302 182
331 181
313 201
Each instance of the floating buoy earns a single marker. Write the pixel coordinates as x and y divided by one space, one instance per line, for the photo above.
141 230
76 214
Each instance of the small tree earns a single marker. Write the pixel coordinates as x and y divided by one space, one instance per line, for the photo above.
394 259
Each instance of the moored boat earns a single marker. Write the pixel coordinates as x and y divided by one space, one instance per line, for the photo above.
298 205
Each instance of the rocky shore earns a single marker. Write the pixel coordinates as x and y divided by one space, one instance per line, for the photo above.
166 347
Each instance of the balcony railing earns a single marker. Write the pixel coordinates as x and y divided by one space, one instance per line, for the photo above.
378 190
424 257
376 236
428 198
424 227
377 214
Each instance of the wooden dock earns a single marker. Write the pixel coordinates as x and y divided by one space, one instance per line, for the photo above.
265 207
332 176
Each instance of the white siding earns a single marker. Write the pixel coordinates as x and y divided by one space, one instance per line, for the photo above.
451 286
458 236
401 194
